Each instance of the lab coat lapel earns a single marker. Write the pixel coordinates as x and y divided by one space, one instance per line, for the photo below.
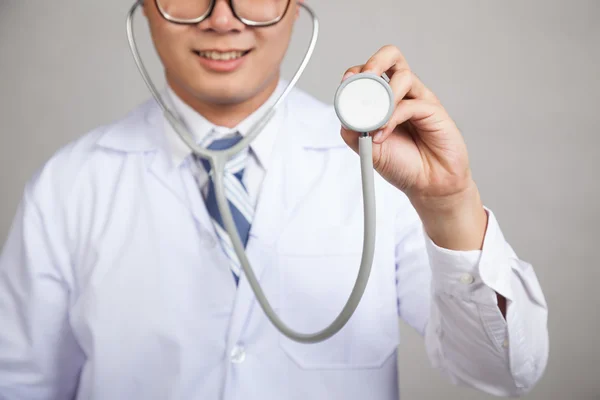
299 157
182 187
145 134
294 172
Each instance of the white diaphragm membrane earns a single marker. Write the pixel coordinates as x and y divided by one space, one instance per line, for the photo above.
364 102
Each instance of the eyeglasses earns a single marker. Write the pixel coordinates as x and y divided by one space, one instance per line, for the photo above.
250 12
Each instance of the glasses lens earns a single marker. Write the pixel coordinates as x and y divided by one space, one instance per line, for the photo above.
260 11
257 11
183 10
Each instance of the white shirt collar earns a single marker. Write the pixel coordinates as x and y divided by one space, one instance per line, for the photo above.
199 127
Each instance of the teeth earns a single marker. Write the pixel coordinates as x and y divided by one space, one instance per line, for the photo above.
215 55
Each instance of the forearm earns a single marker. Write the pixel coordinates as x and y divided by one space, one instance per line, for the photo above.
454 222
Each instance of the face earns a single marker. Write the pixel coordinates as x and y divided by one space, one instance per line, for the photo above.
188 54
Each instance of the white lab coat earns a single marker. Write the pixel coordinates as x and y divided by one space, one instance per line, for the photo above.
113 285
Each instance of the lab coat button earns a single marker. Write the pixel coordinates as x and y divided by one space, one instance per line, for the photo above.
505 343
238 354
467 279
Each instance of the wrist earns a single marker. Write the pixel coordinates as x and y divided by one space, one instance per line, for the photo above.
457 221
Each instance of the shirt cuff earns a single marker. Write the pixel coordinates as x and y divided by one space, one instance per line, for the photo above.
467 274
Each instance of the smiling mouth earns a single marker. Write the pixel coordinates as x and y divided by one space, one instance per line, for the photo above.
221 55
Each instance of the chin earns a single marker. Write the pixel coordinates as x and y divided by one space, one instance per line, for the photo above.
224 91
227 88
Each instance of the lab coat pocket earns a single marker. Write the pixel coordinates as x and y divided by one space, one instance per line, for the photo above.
316 284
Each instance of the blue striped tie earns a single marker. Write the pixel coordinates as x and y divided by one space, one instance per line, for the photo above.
237 198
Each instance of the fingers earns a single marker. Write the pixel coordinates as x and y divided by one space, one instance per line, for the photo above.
401 84
411 109
351 71
387 59
406 84
413 100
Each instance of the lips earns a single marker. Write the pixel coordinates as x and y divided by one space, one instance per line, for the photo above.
221 55
221 60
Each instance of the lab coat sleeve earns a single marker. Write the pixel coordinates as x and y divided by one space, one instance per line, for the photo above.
39 358
466 336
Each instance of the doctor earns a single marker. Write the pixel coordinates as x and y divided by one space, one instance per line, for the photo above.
115 283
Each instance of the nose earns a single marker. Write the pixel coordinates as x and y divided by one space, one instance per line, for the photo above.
222 19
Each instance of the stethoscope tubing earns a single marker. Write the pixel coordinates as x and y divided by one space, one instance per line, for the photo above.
218 159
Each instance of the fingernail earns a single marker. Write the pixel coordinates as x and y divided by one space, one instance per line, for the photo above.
347 75
378 135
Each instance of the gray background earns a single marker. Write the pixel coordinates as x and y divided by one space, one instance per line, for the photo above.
519 77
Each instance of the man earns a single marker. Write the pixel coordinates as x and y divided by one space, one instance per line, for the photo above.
116 280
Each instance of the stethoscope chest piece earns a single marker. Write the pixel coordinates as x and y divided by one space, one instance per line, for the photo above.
364 102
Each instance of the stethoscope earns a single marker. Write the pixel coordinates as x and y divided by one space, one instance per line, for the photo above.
363 103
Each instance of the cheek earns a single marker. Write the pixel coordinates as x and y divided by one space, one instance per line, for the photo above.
168 44
275 44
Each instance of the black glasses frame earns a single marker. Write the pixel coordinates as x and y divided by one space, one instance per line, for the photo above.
208 13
